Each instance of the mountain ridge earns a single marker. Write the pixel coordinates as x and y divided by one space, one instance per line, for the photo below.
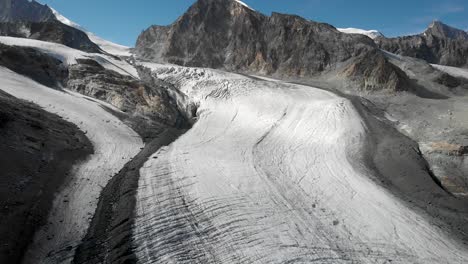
438 44
30 19
226 34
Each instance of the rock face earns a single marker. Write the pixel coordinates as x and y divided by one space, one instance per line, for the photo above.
372 70
23 10
226 34
439 44
147 106
21 18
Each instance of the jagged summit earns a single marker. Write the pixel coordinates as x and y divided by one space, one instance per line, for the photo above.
439 44
226 34
441 30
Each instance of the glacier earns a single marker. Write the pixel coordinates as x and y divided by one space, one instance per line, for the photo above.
266 175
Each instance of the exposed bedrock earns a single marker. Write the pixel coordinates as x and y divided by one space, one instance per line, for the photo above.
30 19
439 44
51 31
146 106
226 34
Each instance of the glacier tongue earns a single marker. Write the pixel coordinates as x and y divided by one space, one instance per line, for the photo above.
264 176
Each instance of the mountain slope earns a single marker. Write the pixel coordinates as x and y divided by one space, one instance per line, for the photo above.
105 45
12 11
229 35
30 19
439 44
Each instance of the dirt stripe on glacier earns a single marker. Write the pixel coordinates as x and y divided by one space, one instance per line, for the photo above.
109 237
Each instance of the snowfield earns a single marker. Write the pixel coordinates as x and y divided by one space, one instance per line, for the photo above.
69 56
266 176
373 34
114 145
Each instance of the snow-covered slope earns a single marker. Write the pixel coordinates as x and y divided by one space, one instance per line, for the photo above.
114 145
265 176
373 34
454 71
69 56
105 45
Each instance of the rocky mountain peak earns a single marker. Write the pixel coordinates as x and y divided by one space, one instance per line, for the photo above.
230 35
441 30
12 11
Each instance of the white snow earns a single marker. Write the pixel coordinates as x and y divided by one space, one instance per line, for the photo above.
454 71
266 176
373 34
105 45
114 145
69 56
244 4
110 47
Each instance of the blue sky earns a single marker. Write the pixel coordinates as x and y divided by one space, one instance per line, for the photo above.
122 21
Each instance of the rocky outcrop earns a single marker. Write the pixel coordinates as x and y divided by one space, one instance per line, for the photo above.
145 106
226 34
50 31
25 19
449 80
39 150
34 64
439 44
373 71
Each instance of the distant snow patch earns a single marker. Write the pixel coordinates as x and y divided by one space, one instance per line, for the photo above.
69 56
373 34
105 45
244 4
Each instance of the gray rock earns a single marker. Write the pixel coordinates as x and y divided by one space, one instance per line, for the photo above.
25 19
225 34
439 44
146 106
23 10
